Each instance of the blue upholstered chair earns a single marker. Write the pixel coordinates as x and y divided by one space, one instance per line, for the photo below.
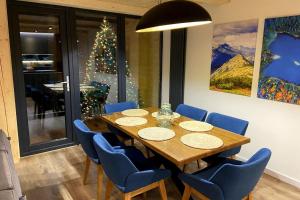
129 170
191 112
228 180
85 138
119 107
232 124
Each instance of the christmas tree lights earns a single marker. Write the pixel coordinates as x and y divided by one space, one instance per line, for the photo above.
101 67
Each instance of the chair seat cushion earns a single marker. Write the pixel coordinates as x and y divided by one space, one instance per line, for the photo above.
144 178
148 170
137 158
113 141
209 171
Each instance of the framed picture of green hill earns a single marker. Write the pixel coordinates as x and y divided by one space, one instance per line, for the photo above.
279 78
233 55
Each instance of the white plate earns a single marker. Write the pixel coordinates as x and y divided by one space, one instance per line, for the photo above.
201 141
131 121
175 115
135 112
156 133
196 126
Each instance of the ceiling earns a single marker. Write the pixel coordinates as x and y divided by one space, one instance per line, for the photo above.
151 3
136 7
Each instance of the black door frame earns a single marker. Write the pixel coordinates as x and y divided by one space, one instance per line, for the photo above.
14 11
177 67
67 25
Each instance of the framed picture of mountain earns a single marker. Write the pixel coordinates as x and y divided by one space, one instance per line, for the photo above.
233 55
279 78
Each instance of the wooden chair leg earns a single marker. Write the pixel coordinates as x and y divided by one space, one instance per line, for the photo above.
198 194
142 190
126 196
184 168
108 189
198 163
250 196
187 193
162 190
145 195
148 152
86 170
100 182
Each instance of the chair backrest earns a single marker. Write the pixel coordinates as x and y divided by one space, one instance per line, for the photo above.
104 88
117 166
232 124
85 138
191 112
237 181
119 107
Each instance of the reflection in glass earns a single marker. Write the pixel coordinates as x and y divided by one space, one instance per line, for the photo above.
142 66
43 74
97 47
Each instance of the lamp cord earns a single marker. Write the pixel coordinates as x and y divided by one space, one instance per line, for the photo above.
2 95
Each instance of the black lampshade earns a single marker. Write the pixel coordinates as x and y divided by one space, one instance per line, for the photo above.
173 15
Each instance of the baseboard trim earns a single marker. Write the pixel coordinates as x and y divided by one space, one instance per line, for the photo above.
278 175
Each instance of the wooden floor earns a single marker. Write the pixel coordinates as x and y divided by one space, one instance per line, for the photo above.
58 175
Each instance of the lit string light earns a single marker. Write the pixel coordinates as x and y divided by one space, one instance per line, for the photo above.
102 66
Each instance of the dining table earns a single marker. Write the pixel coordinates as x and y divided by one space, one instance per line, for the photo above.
174 149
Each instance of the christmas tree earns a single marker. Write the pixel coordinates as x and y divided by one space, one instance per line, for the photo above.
101 67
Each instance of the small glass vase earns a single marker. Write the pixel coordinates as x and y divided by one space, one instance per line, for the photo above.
165 116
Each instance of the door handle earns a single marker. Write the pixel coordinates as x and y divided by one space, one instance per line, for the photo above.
67 82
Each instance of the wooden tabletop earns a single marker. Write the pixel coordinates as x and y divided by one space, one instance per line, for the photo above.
173 149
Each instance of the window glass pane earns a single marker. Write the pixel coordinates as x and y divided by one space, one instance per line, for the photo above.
142 66
97 47
43 75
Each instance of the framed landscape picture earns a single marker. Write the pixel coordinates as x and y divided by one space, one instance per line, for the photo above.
233 56
279 78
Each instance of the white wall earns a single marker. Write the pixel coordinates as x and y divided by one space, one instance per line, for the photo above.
272 124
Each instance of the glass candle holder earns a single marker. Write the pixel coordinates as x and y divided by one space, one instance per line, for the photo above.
165 116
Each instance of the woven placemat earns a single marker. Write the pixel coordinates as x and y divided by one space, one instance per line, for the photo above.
196 126
131 121
201 141
135 112
175 115
156 133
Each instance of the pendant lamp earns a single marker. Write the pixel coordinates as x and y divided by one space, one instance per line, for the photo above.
173 15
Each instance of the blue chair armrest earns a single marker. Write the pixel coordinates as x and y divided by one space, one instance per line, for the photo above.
207 188
143 178
118 147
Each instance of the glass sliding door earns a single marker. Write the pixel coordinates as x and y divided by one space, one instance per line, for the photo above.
68 63
43 73
143 70
98 72
41 78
